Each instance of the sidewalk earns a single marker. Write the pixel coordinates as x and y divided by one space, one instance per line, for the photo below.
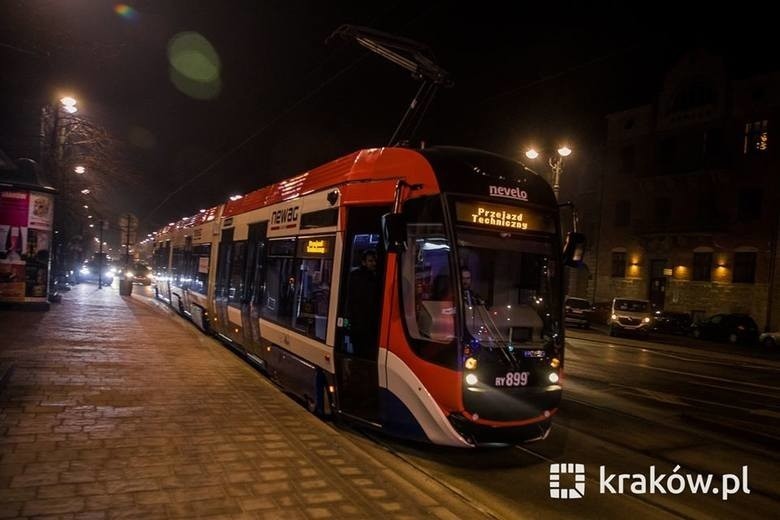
115 410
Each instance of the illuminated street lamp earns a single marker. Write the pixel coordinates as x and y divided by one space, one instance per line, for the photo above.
555 163
79 169
69 104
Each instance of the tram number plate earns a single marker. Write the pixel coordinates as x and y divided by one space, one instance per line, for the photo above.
513 379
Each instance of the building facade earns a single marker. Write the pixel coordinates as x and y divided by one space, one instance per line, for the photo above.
690 203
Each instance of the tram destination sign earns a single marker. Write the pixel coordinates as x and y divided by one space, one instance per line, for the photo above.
501 216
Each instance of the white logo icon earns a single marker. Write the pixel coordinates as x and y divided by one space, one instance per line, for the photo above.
556 470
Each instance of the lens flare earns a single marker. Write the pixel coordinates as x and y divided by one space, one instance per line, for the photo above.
126 12
194 65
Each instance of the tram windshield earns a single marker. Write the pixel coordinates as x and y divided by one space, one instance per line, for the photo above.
509 281
510 289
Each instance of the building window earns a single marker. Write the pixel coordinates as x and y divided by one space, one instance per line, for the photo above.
756 137
622 213
618 265
744 267
749 204
702 267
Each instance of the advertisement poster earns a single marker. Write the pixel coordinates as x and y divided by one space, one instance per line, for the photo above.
25 239
41 209
13 208
13 242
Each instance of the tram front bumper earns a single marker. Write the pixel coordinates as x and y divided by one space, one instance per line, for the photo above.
507 415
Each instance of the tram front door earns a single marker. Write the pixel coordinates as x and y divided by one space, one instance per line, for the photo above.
357 341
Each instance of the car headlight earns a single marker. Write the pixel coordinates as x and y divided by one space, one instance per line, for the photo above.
84 270
645 320
614 317
129 274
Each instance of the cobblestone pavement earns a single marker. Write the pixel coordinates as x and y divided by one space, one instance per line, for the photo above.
115 410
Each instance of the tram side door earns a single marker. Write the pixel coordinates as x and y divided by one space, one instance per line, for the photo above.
224 261
254 286
360 311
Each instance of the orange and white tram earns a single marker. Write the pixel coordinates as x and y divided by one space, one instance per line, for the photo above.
349 286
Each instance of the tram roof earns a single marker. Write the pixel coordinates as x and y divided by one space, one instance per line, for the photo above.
362 165
452 169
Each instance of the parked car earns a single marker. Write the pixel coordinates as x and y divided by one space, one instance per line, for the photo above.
630 315
672 322
734 328
577 312
139 273
89 273
770 339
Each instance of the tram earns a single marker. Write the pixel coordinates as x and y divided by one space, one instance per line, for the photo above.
416 291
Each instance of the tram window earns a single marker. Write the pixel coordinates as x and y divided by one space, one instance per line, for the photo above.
280 282
177 265
312 296
520 285
429 301
236 277
160 259
223 265
296 291
259 279
322 218
199 268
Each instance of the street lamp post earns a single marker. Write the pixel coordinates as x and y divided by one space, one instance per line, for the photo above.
54 120
556 165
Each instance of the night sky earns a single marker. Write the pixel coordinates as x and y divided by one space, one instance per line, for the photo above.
523 73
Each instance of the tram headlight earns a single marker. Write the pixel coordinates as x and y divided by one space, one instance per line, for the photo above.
553 377
471 363
471 380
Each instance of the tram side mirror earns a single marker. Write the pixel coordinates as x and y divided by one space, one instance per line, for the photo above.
394 232
574 249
